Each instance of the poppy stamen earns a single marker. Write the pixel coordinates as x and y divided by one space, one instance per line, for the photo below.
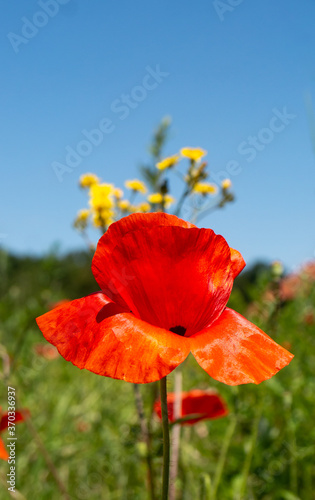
179 330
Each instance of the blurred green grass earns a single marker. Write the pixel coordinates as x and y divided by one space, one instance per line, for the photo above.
88 424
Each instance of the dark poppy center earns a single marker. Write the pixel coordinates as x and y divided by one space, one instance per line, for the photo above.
179 330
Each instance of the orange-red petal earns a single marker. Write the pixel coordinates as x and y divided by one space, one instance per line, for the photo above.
238 263
207 404
234 351
96 334
3 452
172 276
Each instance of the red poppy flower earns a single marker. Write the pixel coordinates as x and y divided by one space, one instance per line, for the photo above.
205 404
165 284
20 416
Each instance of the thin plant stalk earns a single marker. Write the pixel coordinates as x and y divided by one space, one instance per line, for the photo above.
166 440
146 438
222 459
176 433
249 456
205 487
181 201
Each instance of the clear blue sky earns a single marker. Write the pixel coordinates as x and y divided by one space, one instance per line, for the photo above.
226 72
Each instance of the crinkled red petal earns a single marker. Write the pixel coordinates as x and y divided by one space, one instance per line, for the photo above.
207 404
171 276
234 351
101 336
102 273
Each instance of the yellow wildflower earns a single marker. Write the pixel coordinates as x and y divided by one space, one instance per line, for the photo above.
118 193
136 185
124 205
193 154
205 188
144 207
88 180
226 184
168 162
101 196
157 198
81 219
103 218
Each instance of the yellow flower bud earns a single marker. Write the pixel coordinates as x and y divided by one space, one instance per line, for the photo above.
205 188
168 162
226 184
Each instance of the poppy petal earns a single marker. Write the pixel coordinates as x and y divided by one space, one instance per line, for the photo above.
3 452
19 416
234 351
238 263
102 273
205 404
173 277
96 334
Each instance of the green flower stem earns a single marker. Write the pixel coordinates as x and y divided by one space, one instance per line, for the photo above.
166 439
181 201
222 459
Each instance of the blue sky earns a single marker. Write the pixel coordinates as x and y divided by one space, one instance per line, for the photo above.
226 72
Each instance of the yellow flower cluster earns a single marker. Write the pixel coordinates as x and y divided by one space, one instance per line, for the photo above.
126 206
102 204
106 202
193 154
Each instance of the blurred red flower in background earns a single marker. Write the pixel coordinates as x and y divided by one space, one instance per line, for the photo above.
46 351
290 286
20 416
201 405
165 285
